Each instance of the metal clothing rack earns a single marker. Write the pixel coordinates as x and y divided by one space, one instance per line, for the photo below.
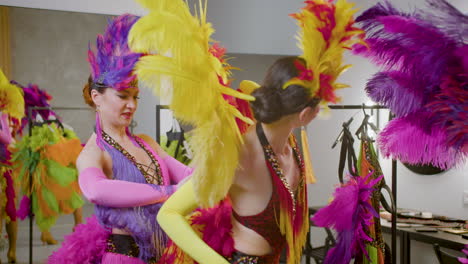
394 171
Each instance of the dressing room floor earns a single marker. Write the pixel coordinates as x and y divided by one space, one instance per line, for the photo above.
41 252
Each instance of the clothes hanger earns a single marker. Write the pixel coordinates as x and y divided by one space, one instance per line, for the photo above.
362 131
347 154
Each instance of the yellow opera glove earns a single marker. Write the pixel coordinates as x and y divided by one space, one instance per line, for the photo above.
172 218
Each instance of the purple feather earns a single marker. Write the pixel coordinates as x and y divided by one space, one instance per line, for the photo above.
447 18
411 139
419 57
112 63
411 46
350 214
397 91
462 54
383 8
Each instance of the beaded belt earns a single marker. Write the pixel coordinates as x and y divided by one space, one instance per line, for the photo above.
241 258
124 245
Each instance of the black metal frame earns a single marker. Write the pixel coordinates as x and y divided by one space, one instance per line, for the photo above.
158 120
394 170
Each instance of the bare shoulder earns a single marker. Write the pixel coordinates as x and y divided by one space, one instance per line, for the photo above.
153 144
249 158
91 155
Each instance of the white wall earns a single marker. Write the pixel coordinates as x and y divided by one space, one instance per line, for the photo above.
243 26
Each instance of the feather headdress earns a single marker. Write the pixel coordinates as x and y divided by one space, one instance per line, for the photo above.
185 70
326 31
112 63
11 98
424 81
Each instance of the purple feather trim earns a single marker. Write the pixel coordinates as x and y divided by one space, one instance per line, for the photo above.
350 214
86 245
411 139
112 63
24 208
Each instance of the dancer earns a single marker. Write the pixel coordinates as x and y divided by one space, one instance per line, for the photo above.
126 176
259 176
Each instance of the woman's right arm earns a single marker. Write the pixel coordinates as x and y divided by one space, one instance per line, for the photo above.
172 219
99 189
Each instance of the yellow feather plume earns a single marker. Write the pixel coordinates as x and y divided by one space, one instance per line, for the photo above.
181 69
326 31
11 98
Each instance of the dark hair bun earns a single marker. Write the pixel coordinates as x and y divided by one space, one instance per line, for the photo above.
267 106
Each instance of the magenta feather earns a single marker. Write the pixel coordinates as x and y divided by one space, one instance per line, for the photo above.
112 63
217 227
464 260
24 208
10 195
410 139
411 46
350 214
424 82
87 244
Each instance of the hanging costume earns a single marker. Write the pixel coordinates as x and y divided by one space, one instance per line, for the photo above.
368 163
11 106
47 158
191 73
130 200
424 81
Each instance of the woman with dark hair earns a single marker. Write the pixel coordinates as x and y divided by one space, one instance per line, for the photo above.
252 186
127 177
269 177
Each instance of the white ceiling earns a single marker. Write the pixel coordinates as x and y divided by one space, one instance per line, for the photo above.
243 26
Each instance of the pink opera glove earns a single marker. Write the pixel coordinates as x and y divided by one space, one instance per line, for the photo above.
98 189
177 170
5 135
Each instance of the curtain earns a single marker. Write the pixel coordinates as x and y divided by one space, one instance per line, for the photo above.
5 49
